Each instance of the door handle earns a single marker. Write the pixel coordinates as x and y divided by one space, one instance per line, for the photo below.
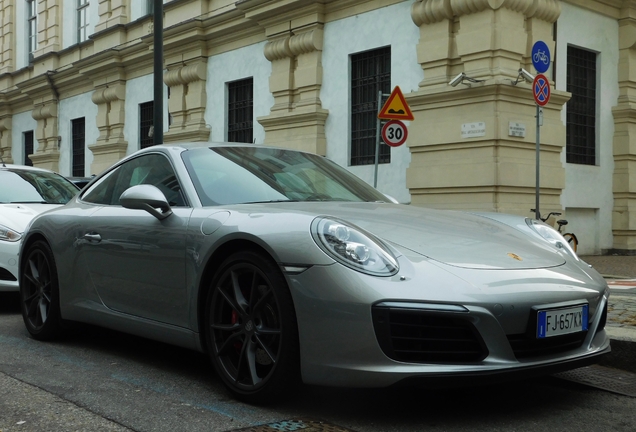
92 237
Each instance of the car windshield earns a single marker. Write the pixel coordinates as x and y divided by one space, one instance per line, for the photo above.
25 186
234 175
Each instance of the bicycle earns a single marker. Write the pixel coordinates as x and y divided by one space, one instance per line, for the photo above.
569 237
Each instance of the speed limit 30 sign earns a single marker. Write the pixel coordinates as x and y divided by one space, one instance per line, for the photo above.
394 133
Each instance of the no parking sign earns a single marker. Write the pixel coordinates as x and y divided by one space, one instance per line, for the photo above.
541 90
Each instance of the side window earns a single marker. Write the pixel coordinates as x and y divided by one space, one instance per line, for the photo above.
150 169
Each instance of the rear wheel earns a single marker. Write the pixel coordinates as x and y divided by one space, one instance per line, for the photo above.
572 240
251 329
39 292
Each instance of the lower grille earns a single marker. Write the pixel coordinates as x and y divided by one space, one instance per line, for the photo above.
417 336
6 275
525 346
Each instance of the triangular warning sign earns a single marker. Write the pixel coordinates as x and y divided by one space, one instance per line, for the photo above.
396 108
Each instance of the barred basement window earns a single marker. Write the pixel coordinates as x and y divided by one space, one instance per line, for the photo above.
146 119
28 147
240 126
78 127
370 74
581 108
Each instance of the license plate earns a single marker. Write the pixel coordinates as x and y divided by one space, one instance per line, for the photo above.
555 322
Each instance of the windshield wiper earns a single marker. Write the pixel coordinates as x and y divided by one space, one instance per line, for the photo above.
271 201
29 202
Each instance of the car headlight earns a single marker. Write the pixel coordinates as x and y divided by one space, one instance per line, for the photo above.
550 234
353 247
7 234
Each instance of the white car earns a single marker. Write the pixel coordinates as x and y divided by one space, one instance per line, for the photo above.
25 192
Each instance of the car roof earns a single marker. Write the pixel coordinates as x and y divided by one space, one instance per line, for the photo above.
186 146
11 167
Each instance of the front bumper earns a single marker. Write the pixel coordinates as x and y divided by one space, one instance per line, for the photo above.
339 344
9 266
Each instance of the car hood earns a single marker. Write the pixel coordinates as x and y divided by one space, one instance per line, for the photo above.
18 216
451 237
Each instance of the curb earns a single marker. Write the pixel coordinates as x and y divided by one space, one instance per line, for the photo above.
623 343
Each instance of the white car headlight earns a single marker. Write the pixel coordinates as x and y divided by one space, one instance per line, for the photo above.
550 234
353 247
7 234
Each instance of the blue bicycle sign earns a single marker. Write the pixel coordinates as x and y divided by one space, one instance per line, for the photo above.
540 56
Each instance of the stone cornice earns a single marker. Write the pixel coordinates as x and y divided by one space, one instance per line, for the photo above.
432 11
489 90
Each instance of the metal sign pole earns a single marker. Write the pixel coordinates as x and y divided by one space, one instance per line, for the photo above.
536 204
157 117
377 142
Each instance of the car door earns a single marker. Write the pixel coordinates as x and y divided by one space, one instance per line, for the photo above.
136 262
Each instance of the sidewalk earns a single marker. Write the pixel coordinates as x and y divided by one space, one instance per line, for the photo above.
620 273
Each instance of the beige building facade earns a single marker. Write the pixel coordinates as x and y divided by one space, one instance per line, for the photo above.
79 73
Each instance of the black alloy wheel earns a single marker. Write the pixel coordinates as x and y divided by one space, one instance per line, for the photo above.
39 292
251 329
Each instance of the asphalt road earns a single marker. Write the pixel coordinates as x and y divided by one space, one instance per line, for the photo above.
98 380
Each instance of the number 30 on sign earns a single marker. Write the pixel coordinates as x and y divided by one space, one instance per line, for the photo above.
394 133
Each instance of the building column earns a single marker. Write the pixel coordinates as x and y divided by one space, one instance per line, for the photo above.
111 145
624 181
187 102
297 119
5 136
48 152
7 36
49 27
465 154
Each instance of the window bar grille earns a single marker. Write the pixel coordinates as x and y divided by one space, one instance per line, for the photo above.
78 127
581 108
146 119
28 147
240 126
370 74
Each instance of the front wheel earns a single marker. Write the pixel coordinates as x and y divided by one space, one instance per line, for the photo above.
572 240
39 292
251 330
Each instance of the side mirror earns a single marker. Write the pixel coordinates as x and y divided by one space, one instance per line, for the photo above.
148 198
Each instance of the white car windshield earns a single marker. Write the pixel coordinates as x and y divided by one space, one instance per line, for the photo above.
25 186
234 175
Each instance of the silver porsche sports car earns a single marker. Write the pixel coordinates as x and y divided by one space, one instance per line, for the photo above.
285 268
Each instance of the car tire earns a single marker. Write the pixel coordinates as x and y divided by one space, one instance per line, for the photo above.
251 330
39 292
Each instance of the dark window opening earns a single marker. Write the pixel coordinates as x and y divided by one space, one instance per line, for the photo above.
370 74
146 119
78 127
240 126
581 108
28 147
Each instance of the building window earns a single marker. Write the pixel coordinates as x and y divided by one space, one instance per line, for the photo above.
82 20
581 108
28 147
32 28
146 119
240 111
79 144
150 7
370 74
